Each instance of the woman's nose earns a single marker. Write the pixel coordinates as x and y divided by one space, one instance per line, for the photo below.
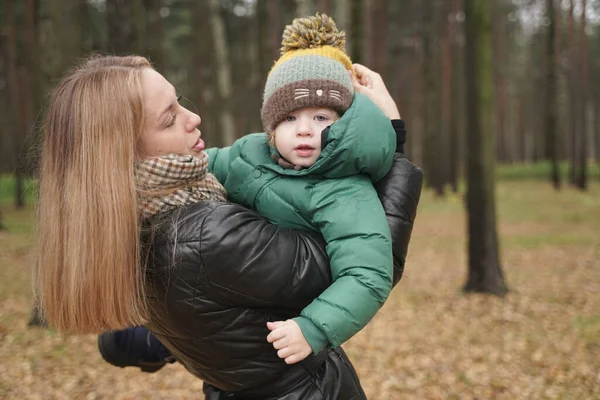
193 122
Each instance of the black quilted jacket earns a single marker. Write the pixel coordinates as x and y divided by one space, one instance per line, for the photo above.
218 272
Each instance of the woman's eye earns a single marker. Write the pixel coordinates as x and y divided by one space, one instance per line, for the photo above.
172 121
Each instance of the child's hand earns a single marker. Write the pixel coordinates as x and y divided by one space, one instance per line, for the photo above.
370 83
288 340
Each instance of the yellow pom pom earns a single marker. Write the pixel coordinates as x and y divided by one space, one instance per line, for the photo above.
311 32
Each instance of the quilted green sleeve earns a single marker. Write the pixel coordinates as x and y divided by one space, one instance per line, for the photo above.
352 220
219 160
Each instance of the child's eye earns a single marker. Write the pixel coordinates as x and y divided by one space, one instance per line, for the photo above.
290 118
321 118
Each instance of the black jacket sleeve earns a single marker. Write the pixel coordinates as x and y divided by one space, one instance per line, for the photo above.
251 262
399 192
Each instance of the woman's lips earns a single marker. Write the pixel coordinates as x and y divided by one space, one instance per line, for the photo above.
199 146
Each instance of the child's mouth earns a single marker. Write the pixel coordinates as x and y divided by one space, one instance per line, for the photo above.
304 150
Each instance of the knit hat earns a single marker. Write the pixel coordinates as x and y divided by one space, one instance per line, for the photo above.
311 72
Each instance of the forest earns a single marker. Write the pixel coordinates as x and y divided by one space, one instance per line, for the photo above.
501 101
545 66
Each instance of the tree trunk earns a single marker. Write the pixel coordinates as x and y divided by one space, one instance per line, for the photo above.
221 48
16 133
571 82
123 30
597 126
357 36
380 35
342 12
551 119
415 145
499 62
433 163
485 274
276 29
153 37
201 86
368 46
5 128
582 142
455 108
304 8
521 136
324 7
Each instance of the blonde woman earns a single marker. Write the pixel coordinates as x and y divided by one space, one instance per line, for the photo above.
134 231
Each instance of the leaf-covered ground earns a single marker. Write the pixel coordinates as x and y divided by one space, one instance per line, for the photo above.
430 341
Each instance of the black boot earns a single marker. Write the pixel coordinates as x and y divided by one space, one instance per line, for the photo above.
134 347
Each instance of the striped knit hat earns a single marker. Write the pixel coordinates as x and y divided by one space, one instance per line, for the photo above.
311 72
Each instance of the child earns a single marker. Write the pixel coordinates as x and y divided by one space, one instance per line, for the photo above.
314 169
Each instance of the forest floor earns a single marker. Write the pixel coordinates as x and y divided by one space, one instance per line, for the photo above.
430 341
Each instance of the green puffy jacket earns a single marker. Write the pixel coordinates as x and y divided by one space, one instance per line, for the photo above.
335 197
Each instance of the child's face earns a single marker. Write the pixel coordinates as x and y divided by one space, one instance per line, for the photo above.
298 136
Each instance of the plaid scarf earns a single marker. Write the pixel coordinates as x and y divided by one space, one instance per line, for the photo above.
173 181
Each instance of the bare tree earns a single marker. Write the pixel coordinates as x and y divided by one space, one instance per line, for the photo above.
223 66
450 97
551 119
597 126
500 98
341 14
456 109
375 24
380 36
304 8
5 131
153 37
15 121
275 27
572 94
124 33
583 84
368 33
485 274
433 157
357 33
324 7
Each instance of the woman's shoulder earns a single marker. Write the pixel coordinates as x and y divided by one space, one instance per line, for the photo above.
205 222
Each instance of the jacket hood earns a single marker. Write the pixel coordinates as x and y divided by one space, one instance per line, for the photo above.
362 141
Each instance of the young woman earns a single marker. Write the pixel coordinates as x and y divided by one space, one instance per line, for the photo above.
133 231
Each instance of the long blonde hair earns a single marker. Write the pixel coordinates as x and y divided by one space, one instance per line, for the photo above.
88 275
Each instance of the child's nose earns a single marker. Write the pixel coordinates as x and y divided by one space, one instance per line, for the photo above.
304 129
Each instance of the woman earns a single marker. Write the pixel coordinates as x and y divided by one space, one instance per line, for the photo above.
204 275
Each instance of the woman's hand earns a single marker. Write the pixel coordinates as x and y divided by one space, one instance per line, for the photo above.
369 83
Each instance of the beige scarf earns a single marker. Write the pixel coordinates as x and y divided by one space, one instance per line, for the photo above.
173 181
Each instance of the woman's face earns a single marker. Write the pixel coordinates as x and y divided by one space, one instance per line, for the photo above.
168 127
